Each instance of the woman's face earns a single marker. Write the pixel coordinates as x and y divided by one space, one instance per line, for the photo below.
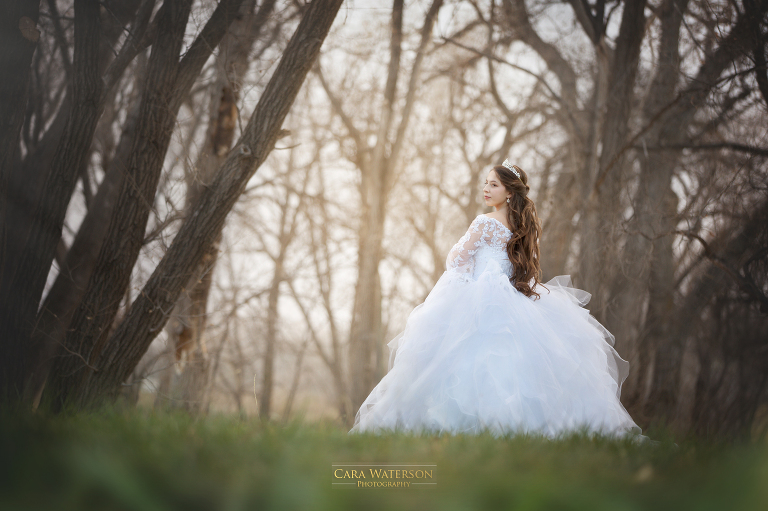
494 192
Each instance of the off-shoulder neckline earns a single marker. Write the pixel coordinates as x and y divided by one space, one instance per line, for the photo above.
497 221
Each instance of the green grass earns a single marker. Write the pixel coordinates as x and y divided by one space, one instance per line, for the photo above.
144 460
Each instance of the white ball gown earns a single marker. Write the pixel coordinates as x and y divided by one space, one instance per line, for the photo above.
478 355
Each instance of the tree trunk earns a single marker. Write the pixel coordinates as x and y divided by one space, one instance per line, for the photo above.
557 229
631 286
22 287
365 332
268 363
294 382
18 40
70 285
603 209
365 337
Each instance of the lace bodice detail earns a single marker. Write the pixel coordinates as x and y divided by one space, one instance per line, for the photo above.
485 240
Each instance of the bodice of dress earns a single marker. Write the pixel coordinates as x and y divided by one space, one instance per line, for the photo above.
485 241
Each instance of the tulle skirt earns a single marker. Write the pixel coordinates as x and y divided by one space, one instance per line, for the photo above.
478 355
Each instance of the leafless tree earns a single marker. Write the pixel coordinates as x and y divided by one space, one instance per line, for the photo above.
96 358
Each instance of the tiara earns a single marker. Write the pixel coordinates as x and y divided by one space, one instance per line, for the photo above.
511 167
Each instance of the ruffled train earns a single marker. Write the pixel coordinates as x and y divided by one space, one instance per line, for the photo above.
479 355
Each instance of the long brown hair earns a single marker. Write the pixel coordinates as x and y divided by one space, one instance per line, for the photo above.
523 246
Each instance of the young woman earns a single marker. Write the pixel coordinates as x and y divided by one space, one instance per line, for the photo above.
491 348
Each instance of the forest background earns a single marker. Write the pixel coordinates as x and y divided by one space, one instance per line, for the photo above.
204 208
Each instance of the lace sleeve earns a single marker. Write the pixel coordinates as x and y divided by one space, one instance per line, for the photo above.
461 257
